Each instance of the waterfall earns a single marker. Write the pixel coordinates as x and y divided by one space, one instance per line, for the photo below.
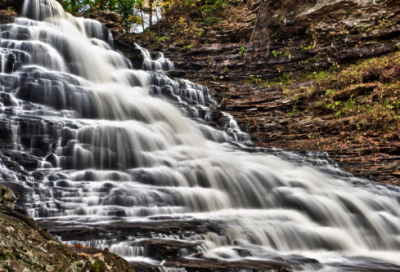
117 146
158 64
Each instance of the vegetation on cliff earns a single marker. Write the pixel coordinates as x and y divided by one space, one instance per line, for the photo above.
364 96
186 15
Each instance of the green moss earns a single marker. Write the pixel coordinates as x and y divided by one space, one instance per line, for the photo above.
190 46
16 256
96 267
3 257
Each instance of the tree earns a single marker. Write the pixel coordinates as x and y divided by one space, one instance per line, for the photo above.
129 13
151 12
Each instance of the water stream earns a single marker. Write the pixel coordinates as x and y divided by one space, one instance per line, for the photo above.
122 146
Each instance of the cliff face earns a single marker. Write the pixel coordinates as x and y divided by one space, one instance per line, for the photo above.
268 84
24 246
292 37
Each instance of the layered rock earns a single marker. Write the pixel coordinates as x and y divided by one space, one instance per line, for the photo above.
302 38
24 245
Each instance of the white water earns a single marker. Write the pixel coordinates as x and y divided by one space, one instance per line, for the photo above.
133 144
159 63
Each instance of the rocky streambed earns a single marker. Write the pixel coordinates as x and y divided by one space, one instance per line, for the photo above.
28 246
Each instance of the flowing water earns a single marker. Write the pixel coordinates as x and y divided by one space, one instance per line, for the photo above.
118 146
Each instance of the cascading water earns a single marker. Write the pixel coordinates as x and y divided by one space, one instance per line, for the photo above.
130 147
158 64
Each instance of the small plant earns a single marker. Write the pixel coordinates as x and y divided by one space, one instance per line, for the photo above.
3 257
276 38
243 51
161 39
306 48
333 105
276 53
318 76
212 20
219 4
187 47
150 33
255 80
290 114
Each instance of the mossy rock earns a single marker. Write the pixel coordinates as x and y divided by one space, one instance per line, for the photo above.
24 246
7 197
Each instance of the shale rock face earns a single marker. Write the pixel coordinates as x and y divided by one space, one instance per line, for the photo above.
293 39
26 247
290 37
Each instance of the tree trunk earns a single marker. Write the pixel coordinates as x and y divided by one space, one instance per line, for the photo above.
102 5
73 6
151 12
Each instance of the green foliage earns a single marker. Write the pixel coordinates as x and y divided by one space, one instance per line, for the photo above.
136 13
212 20
207 10
365 95
276 53
161 39
150 33
306 48
187 47
213 11
255 80
132 11
318 76
285 79
290 114
3 257
243 50
219 4
96 267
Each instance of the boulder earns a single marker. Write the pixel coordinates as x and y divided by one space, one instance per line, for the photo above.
7 198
